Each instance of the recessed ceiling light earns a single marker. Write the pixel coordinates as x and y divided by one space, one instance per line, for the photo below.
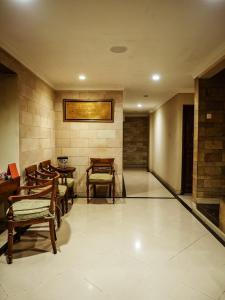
156 77
82 77
23 1
139 105
118 49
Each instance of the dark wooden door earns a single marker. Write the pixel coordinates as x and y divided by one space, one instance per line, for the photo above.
188 140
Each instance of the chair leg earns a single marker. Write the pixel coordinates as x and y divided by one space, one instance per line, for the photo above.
113 187
52 235
55 233
87 193
72 195
94 187
58 216
66 202
63 206
10 243
110 190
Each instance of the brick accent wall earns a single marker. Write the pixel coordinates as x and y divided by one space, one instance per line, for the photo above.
82 140
135 142
209 156
36 114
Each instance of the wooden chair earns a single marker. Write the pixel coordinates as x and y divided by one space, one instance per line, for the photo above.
102 173
28 209
66 178
33 176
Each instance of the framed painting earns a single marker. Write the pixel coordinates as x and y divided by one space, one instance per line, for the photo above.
88 110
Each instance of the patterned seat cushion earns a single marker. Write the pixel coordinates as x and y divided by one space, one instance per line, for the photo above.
31 209
70 182
101 177
62 190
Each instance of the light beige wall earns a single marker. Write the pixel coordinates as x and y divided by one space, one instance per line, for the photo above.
165 157
9 121
36 114
37 123
80 140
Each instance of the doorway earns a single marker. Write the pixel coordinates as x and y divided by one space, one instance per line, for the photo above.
9 129
138 182
187 149
136 142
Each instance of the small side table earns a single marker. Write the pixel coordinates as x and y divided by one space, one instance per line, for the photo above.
66 170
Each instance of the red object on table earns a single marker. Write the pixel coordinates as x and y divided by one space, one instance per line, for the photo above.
12 171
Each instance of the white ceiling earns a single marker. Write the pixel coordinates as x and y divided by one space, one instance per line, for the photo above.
59 39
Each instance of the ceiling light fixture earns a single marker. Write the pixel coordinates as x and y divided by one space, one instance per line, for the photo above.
156 77
82 77
139 105
118 49
23 1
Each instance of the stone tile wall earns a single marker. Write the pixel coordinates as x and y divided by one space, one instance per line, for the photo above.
36 114
135 142
209 154
82 140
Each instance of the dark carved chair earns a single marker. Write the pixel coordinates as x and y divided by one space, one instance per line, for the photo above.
66 177
102 173
32 208
33 175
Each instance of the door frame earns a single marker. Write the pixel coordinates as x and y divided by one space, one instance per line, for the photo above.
183 177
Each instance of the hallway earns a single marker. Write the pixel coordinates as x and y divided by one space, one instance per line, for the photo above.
140 183
112 130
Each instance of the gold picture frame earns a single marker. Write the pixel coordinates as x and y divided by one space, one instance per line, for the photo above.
77 110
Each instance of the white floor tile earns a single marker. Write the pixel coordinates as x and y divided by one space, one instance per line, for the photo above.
140 183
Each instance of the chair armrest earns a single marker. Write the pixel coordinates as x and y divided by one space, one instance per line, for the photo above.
44 174
41 180
48 174
33 179
45 182
54 168
89 168
46 171
31 196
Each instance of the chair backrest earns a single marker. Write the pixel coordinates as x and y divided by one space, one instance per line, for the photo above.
30 172
45 165
102 165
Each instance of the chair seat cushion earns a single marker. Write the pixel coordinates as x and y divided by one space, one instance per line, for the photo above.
31 209
39 190
70 182
100 177
62 190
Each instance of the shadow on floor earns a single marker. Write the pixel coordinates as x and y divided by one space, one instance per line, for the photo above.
36 240
101 200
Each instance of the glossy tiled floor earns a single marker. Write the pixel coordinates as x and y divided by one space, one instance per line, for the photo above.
140 183
137 249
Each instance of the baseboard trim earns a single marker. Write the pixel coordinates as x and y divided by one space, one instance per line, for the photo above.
124 192
167 185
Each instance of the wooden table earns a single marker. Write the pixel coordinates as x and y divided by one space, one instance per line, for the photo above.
66 170
7 188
